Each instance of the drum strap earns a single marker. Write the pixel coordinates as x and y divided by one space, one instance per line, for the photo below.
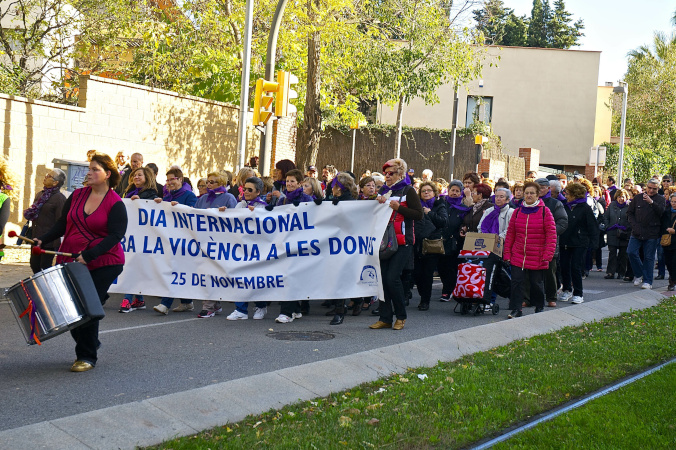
31 314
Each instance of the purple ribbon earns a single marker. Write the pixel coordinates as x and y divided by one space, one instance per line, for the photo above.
340 185
491 223
173 195
212 193
395 187
293 195
257 200
132 193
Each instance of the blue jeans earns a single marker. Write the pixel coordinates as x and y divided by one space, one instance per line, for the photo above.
166 301
131 296
243 307
646 268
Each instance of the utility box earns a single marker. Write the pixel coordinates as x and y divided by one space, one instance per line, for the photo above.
76 172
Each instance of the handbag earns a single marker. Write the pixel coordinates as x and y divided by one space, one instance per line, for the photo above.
433 247
666 238
26 231
389 244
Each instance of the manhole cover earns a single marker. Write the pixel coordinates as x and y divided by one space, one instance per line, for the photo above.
300 336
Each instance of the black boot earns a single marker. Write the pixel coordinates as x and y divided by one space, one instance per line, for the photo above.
424 306
337 319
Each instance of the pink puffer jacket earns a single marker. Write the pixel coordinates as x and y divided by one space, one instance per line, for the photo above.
531 239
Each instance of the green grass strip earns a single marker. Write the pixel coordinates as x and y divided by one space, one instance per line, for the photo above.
466 400
639 415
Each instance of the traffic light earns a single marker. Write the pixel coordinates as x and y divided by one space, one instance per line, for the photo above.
263 101
284 94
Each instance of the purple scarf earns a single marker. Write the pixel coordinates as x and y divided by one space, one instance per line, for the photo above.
293 195
401 184
257 200
491 223
33 212
547 195
623 205
212 193
170 196
456 202
576 202
617 226
530 209
561 198
340 185
428 203
132 193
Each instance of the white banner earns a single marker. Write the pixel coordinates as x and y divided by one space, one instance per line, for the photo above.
290 253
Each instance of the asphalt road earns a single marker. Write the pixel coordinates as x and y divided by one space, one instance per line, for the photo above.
146 355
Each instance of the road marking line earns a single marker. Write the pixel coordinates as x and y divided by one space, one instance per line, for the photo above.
148 325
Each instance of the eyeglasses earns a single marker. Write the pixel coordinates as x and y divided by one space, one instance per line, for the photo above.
250 190
427 191
199 186
49 175
212 182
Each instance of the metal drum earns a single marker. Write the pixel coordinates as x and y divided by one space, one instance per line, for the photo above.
54 301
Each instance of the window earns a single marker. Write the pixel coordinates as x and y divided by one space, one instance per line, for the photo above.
479 109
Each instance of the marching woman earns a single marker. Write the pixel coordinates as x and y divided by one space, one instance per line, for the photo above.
448 262
44 213
406 209
217 195
142 186
178 193
617 228
343 188
93 223
253 189
480 203
668 227
529 246
435 217
581 234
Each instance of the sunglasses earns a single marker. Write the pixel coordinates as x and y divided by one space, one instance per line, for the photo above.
249 190
389 173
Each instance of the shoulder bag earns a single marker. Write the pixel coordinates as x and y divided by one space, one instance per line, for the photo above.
666 238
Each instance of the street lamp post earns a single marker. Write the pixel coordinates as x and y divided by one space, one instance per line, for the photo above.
624 90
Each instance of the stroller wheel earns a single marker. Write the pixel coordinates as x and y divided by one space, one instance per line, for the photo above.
495 309
477 309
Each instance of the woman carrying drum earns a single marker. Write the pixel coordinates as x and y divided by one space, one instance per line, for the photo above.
93 223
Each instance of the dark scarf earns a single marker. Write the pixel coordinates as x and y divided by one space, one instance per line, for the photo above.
257 200
401 184
428 203
456 202
477 206
33 212
212 193
293 195
530 209
170 196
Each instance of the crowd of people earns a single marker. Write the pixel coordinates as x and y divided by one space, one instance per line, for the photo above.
553 230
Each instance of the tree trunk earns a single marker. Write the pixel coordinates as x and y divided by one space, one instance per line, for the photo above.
400 114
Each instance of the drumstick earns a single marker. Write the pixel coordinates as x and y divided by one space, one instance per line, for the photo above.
40 251
13 234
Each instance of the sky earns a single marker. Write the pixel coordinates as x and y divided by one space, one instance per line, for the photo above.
613 27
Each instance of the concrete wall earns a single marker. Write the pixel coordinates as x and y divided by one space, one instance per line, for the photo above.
542 98
167 128
604 115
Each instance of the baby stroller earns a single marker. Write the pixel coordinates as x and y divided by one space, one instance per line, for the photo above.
476 278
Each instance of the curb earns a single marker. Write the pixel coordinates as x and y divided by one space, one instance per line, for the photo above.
152 421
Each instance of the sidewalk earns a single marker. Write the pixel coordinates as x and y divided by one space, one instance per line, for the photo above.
157 419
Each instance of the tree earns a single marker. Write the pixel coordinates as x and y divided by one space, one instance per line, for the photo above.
516 31
46 38
561 33
651 104
415 51
491 21
538 24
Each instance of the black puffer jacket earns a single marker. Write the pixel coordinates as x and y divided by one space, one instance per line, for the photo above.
645 217
432 223
451 232
583 230
668 219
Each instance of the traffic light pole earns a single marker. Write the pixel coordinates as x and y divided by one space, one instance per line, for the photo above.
266 141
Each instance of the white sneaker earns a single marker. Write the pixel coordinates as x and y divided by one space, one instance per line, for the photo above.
161 309
565 296
297 315
638 281
646 286
577 300
260 313
236 315
284 319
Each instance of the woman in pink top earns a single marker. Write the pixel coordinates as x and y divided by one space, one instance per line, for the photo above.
93 222
529 247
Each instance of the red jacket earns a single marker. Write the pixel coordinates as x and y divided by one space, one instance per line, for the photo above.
531 239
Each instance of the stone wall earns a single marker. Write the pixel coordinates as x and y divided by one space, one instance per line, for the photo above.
167 128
